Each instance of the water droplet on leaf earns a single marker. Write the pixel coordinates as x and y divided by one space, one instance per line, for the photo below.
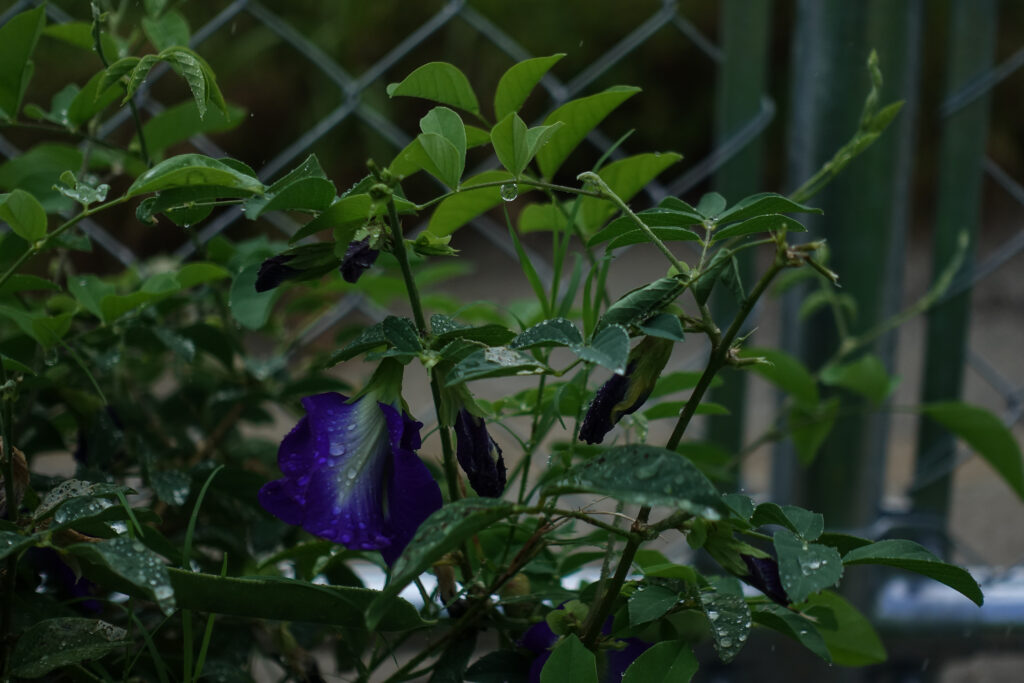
509 192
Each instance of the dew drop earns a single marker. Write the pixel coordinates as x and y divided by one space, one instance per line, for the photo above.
509 192
163 592
337 448
725 642
712 615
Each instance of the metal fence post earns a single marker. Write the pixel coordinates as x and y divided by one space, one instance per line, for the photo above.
971 47
745 29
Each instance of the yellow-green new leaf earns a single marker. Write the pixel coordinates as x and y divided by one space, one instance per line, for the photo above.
519 81
440 82
580 117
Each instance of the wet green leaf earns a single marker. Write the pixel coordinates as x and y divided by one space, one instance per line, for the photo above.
762 204
729 617
642 303
645 475
24 214
670 661
804 567
553 332
189 170
497 361
849 636
440 533
133 562
804 523
916 558
609 348
751 226
18 38
650 602
794 625
53 643
459 209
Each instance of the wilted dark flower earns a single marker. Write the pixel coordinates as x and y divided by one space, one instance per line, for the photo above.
358 260
305 262
539 639
351 475
624 394
479 456
763 574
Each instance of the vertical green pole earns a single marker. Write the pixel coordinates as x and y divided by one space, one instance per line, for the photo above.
741 84
865 216
971 45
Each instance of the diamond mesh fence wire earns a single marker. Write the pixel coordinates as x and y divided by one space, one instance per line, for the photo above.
312 79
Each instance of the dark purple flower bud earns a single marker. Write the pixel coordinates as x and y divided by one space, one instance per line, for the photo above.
358 260
273 272
624 394
763 574
478 455
304 262
351 475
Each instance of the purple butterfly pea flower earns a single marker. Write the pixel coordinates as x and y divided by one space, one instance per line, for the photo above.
763 574
358 259
478 455
351 475
539 639
624 394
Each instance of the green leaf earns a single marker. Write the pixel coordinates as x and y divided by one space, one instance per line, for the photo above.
440 82
182 121
916 558
766 223
626 177
169 30
304 188
90 101
53 643
865 376
554 332
497 361
79 34
446 123
401 333
986 434
447 165
12 542
75 488
665 326
804 567
809 426
82 192
849 636
518 82
24 214
186 63
580 116
18 38
785 372
649 603
645 475
640 304
249 307
542 217
461 208
348 214
440 533
609 348
663 221
762 204
729 617
804 523
516 145
133 562
711 205
670 661
189 170
570 661
490 335
794 625
38 169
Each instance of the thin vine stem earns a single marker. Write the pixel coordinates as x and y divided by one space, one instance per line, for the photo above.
541 184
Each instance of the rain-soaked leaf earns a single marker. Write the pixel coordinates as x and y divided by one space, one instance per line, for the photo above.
804 567
133 562
497 361
443 531
729 617
645 475
53 643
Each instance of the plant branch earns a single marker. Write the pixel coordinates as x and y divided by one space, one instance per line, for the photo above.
518 181
607 193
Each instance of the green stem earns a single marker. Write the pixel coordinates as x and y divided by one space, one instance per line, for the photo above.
63 227
518 181
607 193
451 471
719 357
98 46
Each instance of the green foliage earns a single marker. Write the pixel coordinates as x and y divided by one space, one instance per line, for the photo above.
154 377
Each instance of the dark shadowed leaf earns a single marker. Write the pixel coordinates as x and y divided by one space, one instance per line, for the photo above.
916 558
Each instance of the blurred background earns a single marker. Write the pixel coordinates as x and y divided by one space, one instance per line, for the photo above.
756 94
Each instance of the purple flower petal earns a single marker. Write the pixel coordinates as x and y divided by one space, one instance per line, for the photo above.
343 463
